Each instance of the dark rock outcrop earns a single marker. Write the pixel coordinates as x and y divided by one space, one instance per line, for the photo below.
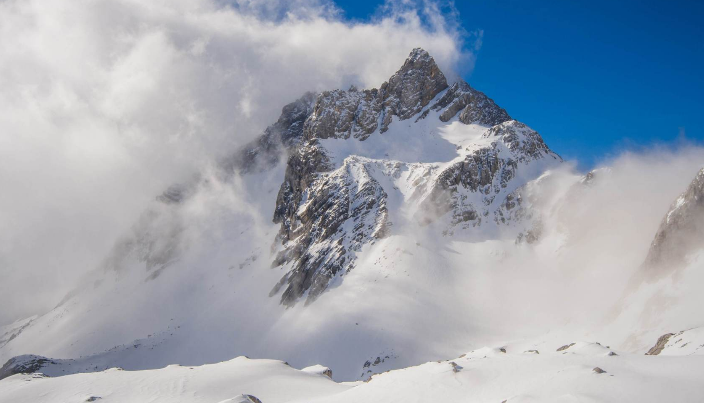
412 87
473 106
343 114
23 364
660 344
243 399
565 347
327 212
315 233
487 171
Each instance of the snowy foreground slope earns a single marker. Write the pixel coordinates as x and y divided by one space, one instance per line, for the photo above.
374 230
584 372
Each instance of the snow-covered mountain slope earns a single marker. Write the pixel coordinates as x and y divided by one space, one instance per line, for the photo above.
375 183
12 330
415 151
580 372
680 233
685 342
663 297
267 380
400 216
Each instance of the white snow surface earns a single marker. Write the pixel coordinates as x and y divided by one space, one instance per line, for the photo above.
483 375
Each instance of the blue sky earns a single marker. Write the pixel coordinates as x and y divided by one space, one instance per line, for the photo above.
594 78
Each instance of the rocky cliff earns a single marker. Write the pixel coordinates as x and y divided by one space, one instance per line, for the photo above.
339 177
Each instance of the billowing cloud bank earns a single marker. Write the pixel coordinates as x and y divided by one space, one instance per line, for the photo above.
105 103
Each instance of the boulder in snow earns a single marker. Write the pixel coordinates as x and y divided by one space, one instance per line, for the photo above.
318 369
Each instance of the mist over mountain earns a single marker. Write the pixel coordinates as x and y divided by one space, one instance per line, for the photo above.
379 238
108 103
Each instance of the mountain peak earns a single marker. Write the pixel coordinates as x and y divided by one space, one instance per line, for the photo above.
413 86
418 55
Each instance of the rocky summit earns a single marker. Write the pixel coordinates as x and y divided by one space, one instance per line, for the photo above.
335 195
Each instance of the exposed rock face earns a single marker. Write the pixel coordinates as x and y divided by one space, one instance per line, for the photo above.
23 364
681 232
243 399
301 171
250 398
486 172
475 107
319 370
412 87
283 135
685 342
341 114
524 143
341 211
330 207
565 347
316 199
660 345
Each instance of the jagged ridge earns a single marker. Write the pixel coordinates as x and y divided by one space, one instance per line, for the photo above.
318 198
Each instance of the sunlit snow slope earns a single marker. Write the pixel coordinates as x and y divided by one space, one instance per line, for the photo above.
584 372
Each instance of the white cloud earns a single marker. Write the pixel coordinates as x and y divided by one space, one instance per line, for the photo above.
104 103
